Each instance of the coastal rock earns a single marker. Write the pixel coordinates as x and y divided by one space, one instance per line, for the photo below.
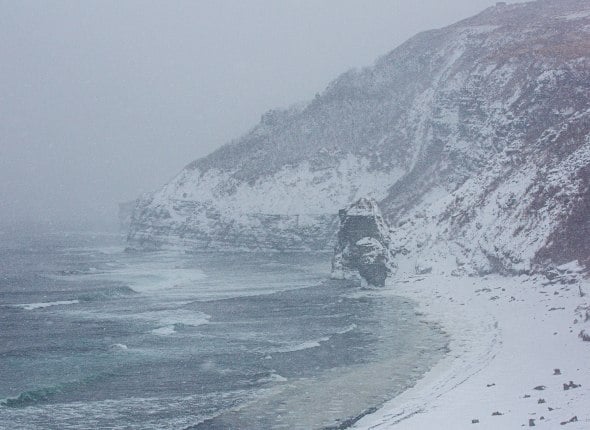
362 249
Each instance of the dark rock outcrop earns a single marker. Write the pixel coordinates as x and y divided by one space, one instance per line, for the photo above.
362 251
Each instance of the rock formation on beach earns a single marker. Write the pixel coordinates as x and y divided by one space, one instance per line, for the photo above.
474 139
362 248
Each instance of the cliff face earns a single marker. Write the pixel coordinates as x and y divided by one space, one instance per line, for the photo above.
362 249
474 139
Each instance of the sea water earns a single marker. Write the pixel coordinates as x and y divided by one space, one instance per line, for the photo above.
95 337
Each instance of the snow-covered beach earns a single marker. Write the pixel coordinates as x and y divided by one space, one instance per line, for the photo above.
516 358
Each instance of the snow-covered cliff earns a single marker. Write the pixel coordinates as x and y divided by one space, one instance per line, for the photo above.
474 139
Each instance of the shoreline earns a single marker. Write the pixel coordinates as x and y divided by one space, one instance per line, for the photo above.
507 337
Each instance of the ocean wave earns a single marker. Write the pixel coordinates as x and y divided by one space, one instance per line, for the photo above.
118 347
167 330
74 272
148 278
99 250
347 329
170 412
107 293
144 281
45 394
308 344
174 320
31 397
167 274
272 377
40 305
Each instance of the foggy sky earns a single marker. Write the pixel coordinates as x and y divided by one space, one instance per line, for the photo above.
103 100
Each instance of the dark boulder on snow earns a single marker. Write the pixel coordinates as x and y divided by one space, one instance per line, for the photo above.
362 249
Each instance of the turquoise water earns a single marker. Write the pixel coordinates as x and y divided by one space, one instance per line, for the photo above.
93 337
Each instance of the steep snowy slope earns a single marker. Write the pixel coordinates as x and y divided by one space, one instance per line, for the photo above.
503 183
474 139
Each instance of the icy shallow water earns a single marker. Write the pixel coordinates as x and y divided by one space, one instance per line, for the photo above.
92 337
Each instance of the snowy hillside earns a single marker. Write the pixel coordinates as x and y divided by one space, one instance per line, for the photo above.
474 139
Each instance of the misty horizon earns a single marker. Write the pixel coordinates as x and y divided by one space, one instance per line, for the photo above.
105 101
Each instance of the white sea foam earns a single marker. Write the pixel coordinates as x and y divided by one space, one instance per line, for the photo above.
122 413
348 329
148 279
161 273
33 306
273 377
118 347
302 345
167 319
316 343
164 331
